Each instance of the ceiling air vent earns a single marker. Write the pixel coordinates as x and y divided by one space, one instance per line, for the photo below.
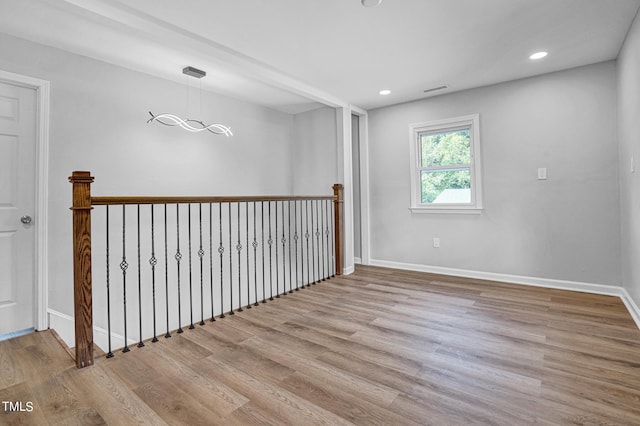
446 86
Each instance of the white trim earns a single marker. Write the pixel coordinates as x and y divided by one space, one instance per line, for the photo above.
633 309
357 261
608 290
448 210
65 327
345 175
365 227
42 88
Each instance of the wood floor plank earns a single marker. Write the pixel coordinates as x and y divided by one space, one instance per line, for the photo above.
218 397
366 353
21 392
341 401
11 371
174 405
116 402
286 407
369 390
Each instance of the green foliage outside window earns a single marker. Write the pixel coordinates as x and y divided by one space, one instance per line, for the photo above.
438 151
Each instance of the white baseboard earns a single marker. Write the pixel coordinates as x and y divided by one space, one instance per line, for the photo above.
357 261
631 305
64 325
609 290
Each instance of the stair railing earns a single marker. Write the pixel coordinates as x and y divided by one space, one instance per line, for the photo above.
222 253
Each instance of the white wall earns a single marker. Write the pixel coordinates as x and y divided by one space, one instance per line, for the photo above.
563 228
98 123
628 118
314 152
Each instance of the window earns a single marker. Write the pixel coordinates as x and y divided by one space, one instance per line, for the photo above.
445 166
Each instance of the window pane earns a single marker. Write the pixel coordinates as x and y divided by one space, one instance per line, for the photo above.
446 186
445 148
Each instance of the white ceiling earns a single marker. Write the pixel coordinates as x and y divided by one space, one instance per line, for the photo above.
292 54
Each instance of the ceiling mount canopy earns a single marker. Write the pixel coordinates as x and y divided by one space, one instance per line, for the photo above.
188 124
193 72
370 3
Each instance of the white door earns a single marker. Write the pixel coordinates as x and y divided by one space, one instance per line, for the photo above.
17 206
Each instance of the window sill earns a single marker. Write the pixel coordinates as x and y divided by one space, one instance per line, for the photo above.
446 210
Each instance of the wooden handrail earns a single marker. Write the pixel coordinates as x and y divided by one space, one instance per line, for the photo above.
82 206
143 200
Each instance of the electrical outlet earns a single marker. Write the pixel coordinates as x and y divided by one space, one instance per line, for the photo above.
436 242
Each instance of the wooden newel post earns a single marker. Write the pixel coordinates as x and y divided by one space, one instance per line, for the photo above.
83 308
339 220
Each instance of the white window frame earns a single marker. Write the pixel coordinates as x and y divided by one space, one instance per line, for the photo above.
471 122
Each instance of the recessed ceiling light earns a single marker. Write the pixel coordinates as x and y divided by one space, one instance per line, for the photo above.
370 3
384 92
538 55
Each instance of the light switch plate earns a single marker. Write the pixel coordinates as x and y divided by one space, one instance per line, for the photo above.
542 173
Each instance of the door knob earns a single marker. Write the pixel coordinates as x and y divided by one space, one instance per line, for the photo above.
25 219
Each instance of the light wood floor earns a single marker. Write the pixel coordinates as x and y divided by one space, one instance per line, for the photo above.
378 347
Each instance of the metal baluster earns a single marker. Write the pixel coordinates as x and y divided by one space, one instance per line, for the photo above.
166 271
289 230
246 222
140 343
109 354
302 252
123 266
201 256
246 212
306 236
239 249
264 291
328 215
277 275
313 252
191 326
284 255
270 263
295 238
324 273
318 239
211 257
255 258
178 257
221 251
153 262
230 264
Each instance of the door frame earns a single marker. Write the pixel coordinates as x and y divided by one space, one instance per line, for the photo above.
363 152
42 88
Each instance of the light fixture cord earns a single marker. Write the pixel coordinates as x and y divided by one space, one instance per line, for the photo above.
187 97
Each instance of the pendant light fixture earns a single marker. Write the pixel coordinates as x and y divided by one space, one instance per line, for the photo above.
189 124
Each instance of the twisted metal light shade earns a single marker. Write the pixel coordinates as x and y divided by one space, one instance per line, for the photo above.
190 125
